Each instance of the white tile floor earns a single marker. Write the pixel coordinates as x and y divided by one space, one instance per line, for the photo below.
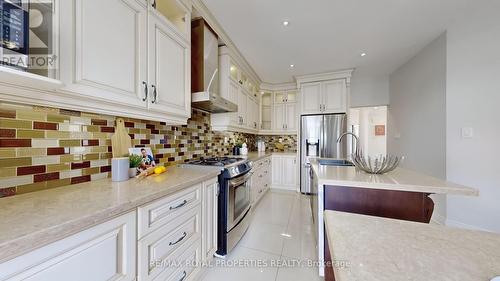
281 230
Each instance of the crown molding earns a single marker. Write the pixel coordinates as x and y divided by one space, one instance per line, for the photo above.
204 12
341 74
278 87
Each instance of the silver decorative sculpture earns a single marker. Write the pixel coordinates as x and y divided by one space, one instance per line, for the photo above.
376 165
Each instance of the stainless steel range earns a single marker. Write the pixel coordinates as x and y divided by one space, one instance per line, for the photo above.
234 200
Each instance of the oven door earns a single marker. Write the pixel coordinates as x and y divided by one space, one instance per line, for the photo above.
238 199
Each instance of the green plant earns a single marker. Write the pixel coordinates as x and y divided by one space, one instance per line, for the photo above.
135 160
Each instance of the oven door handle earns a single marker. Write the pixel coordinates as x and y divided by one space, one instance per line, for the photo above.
241 179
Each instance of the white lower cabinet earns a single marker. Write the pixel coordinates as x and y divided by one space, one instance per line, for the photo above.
104 252
284 172
167 239
261 179
209 218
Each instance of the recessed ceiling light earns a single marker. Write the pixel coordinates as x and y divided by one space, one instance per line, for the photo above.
363 54
292 65
286 23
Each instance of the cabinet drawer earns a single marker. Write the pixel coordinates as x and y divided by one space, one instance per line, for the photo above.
107 250
188 270
160 252
160 212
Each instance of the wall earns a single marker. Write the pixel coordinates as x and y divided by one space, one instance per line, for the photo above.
369 90
417 115
473 99
365 119
43 147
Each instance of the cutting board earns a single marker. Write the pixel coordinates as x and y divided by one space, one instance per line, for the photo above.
120 141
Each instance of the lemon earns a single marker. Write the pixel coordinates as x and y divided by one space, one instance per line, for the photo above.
158 170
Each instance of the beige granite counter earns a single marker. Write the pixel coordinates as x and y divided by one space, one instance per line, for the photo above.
256 156
374 248
36 219
399 179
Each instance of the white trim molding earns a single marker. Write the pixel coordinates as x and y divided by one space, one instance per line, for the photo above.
341 74
278 87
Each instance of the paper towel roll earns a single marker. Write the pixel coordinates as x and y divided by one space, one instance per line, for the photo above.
119 169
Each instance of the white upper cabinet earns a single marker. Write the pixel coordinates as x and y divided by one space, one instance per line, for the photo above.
334 96
127 58
169 69
279 109
101 72
237 87
325 92
311 98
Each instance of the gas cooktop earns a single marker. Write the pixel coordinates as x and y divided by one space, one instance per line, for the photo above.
217 161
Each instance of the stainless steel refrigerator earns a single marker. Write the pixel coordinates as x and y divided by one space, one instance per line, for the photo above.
318 138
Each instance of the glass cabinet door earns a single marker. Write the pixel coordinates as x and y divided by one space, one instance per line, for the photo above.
291 96
279 97
234 72
174 12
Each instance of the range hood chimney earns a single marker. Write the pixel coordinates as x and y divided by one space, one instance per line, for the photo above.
205 70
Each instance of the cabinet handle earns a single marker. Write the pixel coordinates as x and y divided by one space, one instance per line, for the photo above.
184 274
180 205
155 94
184 234
154 4
145 91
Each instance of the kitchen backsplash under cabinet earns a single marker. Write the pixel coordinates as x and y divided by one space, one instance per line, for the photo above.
43 147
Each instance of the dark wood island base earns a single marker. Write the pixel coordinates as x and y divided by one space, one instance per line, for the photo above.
394 204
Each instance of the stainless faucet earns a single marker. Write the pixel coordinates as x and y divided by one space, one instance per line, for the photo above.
355 137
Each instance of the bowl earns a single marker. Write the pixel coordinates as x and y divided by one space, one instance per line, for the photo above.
376 165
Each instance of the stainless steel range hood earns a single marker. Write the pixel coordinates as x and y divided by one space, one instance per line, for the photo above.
205 70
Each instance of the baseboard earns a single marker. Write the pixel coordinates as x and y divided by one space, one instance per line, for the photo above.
458 224
284 188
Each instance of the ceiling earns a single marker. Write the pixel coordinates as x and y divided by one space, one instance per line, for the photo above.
327 35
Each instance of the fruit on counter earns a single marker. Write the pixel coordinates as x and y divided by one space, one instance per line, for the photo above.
160 169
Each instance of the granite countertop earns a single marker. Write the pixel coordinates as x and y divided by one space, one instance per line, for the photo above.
33 220
399 179
373 248
256 156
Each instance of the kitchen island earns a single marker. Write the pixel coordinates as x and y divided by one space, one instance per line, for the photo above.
401 194
374 248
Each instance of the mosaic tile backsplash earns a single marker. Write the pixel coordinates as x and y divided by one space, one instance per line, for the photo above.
43 148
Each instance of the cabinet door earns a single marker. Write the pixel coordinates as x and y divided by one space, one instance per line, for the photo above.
279 117
103 50
104 252
255 114
209 219
334 96
233 91
250 113
289 171
311 98
291 117
277 171
242 106
169 69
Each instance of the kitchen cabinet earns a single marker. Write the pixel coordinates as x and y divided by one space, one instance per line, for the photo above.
142 72
177 229
311 94
237 87
209 218
325 92
279 109
108 249
284 171
261 179
324 97
169 69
